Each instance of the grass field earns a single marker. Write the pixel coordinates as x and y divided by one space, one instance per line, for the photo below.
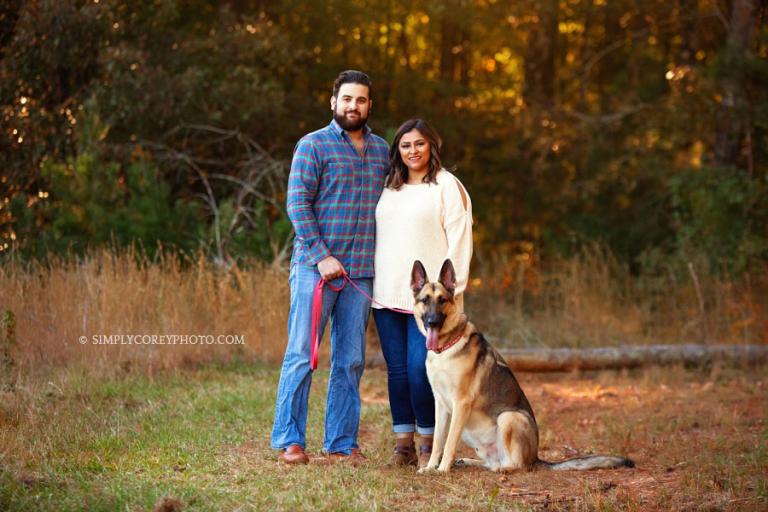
121 427
75 441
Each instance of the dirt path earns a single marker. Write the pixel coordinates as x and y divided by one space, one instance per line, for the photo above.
699 439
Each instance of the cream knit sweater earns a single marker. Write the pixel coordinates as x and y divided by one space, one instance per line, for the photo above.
426 222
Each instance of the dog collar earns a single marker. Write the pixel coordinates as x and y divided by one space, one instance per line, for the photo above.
449 345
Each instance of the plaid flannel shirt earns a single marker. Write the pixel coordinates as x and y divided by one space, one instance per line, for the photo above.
332 196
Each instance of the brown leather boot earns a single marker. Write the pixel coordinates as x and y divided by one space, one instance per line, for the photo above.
294 454
404 454
425 452
355 458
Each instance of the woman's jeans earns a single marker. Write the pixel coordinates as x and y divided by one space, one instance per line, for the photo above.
348 311
405 351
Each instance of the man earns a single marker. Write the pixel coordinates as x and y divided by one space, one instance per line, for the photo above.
336 177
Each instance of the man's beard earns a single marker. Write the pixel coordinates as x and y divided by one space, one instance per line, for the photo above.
350 126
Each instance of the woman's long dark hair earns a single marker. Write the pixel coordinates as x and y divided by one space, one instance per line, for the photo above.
398 171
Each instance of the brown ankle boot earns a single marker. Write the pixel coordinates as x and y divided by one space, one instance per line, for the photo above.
425 452
404 455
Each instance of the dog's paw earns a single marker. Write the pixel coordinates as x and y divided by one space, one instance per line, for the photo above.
427 469
444 468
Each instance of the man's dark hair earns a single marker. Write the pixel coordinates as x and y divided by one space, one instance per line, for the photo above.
352 76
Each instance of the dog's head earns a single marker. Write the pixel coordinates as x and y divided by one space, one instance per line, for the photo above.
435 309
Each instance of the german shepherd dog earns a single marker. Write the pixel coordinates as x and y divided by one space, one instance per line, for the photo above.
477 397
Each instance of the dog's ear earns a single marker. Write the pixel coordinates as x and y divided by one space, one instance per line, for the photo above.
448 276
418 277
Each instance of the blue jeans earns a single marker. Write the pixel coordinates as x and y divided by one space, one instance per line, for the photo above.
348 311
405 351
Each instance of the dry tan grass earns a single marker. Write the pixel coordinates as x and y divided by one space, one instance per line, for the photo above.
120 294
587 300
594 300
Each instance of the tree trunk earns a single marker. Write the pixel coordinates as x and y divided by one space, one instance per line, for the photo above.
465 57
449 46
733 125
9 15
586 54
567 359
687 14
539 83
455 58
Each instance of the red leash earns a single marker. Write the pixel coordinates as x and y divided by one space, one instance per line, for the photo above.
317 310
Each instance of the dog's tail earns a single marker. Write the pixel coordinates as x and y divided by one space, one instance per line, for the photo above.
582 463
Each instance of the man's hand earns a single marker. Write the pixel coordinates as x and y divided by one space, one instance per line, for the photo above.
330 268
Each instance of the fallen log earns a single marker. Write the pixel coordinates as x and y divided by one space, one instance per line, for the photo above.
635 356
689 355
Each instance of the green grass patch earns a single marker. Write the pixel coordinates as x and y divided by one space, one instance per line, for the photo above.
80 442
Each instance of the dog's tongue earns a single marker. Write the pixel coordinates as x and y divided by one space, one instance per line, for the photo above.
431 339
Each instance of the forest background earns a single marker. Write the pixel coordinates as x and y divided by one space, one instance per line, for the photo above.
616 153
609 147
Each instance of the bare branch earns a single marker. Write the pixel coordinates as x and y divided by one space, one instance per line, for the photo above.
234 159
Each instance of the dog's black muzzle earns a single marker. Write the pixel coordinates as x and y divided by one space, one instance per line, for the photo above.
433 319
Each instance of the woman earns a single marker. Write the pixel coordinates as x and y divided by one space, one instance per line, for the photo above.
424 213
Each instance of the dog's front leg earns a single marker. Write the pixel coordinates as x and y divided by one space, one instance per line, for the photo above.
458 420
442 421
